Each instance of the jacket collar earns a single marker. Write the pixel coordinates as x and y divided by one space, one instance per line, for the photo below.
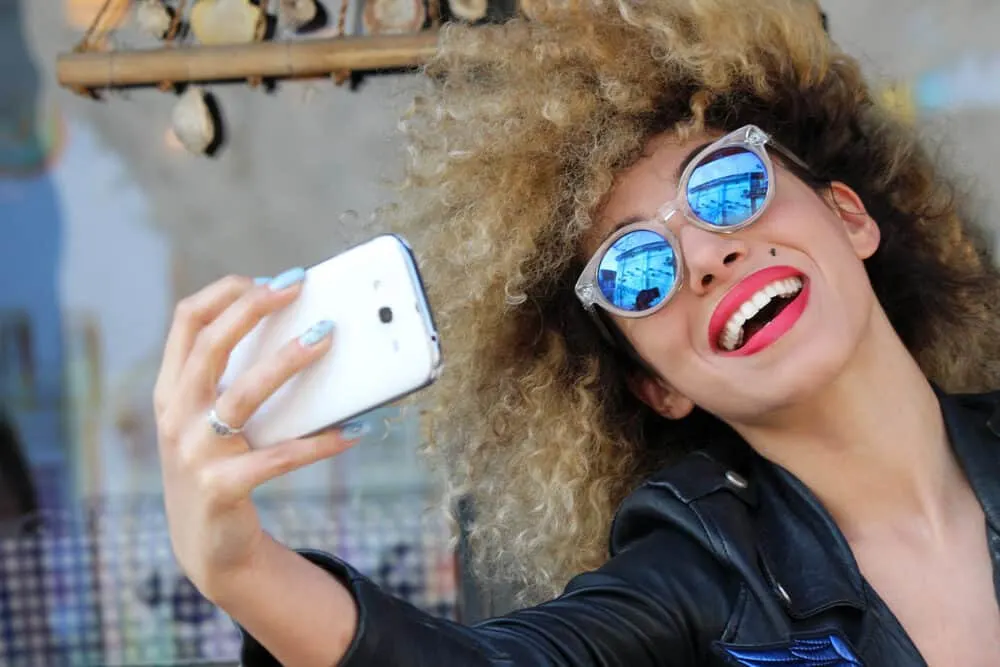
973 423
804 553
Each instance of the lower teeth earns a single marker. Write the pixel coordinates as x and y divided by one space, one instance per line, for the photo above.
741 338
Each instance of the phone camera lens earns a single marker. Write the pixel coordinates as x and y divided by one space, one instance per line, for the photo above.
385 314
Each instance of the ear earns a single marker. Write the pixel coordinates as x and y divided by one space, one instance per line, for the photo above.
661 397
862 231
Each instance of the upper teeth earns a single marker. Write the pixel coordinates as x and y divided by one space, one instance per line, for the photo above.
732 333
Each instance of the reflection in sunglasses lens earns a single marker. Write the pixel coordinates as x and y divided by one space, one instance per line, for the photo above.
727 187
638 271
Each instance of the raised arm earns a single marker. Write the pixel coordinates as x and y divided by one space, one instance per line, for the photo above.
312 610
651 606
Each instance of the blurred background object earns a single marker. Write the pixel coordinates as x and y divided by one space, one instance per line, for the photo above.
18 500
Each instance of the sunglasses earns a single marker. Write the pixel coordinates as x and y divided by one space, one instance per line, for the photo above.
726 187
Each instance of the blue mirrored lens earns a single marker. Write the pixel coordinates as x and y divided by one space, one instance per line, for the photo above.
727 187
638 271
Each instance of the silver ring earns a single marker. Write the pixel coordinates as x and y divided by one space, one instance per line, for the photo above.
221 428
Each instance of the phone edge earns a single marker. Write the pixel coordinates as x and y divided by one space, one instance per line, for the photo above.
437 361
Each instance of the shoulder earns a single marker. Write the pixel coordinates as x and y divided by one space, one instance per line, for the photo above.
969 412
703 516
685 496
667 544
986 402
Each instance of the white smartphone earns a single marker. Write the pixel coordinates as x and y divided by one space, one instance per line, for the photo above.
385 344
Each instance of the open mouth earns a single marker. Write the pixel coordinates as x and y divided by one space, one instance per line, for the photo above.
757 312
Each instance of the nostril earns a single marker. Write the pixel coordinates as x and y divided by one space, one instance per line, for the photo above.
707 279
730 258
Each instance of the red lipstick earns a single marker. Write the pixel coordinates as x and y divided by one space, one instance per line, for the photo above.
742 292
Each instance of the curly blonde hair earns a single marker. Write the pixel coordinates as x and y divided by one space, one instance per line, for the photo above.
512 149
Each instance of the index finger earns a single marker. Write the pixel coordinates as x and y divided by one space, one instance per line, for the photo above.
191 315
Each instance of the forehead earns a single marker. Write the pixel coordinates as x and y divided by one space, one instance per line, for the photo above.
641 189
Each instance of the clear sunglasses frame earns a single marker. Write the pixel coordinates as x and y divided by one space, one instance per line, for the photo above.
749 137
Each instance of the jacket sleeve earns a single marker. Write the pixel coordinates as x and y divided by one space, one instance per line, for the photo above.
639 610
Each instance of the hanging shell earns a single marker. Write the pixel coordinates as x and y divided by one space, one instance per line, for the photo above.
153 18
215 22
297 13
468 10
387 17
192 121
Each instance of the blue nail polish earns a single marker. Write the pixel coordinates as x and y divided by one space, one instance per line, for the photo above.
355 430
262 280
316 333
287 279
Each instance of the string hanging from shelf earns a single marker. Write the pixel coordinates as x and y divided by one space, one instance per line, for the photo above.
341 75
86 44
169 39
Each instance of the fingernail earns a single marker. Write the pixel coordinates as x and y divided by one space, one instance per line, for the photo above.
262 280
287 279
316 333
354 430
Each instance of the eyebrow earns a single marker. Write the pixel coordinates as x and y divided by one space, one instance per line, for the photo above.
692 154
632 219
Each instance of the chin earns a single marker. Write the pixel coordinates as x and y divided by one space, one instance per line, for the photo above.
795 377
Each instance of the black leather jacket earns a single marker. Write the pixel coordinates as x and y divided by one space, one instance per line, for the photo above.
722 559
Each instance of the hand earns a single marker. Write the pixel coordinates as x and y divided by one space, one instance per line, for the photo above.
208 479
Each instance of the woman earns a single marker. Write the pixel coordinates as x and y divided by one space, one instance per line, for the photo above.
695 286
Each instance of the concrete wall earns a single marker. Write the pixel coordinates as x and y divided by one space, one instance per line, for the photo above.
945 59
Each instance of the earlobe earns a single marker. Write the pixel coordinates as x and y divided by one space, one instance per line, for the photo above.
662 398
862 231
677 406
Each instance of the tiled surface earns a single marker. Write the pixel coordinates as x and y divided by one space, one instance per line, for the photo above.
101 587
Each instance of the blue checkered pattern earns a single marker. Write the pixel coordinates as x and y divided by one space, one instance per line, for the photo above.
101 587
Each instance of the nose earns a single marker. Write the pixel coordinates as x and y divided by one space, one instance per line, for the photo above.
709 257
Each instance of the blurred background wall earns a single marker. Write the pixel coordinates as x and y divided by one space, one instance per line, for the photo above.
105 221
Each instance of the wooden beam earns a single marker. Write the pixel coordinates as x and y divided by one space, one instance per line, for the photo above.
302 58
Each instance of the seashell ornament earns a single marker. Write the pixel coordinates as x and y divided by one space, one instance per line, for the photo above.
297 13
393 17
215 22
468 10
192 122
153 18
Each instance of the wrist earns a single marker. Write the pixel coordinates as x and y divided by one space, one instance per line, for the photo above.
235 582
294 608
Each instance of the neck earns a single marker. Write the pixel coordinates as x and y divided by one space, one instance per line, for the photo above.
871 445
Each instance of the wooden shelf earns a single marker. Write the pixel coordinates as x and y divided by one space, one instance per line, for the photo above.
284 59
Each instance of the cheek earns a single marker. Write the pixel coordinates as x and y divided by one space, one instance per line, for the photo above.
855 291
839 259
663 339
